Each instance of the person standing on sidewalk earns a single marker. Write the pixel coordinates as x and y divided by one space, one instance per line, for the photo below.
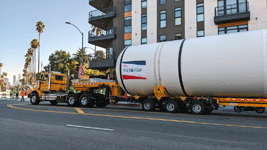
11 94
22 95
17 94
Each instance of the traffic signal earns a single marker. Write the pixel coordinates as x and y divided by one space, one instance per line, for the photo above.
77 67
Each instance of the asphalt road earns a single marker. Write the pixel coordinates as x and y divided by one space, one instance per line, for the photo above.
25 126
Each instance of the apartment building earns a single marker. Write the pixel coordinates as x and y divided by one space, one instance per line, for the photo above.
135 22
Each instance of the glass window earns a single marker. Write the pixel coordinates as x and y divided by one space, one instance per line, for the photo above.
128 25
128 42
232 29
127 29
163 22
144 41
177 0
144 4
59 78
144 22
177 36
127 8
177 14
200 12
161 2
163 38
200 33
127 2
128 21
227 7
109 52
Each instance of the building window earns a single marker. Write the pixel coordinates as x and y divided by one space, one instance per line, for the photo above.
128 25
232 29
162 17
144 4
127 42
227 7
200 12
163 38
144 22
200 33
177 36
161 2
109 52
128 5
178 20
144 41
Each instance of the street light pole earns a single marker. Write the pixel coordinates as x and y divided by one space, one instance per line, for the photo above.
82 38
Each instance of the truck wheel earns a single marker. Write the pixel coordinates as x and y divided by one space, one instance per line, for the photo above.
260 110
71 100
35 99
238 109
84 100
53 102
148 105
198 108
172 106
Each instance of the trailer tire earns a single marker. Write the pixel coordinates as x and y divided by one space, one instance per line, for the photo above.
171 106
35 99
72 100
198 108
238 109
148 105
53 102
260 110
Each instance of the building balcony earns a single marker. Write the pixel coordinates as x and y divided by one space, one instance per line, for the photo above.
103 17
101 65
100 4
103 38
232 13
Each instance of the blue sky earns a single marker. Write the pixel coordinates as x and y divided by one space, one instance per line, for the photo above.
17 28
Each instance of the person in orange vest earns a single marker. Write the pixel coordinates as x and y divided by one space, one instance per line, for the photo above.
22 95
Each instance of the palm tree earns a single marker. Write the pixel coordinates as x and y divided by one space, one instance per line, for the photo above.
34 44
39 27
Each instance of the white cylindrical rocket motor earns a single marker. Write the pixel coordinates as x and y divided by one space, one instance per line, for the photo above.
231 65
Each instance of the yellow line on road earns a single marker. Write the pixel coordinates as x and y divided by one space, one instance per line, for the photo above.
142 118
79 110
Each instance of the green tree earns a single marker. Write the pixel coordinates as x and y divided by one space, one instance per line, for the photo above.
78 55
61 61
39 27
99 55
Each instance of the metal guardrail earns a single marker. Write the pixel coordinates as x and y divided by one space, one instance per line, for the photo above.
232 9
102 12
106 32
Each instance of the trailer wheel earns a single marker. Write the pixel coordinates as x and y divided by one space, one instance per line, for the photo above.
148 105
85 101
53 102
198 108
71 100
34 99
171 106
260 110
238 109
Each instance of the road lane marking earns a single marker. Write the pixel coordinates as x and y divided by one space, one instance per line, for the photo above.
86 127
143 118
79 110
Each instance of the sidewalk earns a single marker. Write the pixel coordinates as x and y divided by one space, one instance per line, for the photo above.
8 99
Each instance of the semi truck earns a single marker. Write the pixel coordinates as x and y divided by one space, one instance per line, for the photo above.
195 75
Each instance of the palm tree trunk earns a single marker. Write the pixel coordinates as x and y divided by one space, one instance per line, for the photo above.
39 53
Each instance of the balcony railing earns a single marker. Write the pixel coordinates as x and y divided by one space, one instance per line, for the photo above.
103 33
232 9
99 4
236 12
109 11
